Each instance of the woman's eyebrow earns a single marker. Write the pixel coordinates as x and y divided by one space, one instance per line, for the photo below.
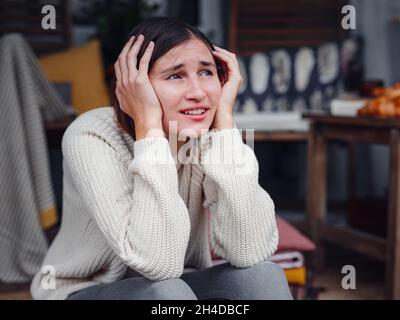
180 65
174 68
208 64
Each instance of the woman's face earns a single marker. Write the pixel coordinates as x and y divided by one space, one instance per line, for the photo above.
186 82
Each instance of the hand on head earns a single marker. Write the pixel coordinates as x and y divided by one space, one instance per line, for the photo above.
224 114
134 90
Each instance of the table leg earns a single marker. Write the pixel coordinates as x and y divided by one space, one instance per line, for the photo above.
316 191
352 172
393 237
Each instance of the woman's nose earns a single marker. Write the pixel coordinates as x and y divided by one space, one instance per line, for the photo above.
194 91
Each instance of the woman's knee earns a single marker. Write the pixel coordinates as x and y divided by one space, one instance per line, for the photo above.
264 281
172 289
138 289
271 279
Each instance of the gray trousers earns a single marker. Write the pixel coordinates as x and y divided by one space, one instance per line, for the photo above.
264 281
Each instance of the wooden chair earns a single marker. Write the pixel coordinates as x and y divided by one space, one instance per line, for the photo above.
258 25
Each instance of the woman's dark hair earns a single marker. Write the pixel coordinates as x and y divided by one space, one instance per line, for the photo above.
166 33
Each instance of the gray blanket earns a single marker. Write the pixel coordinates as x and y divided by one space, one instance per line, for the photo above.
26 194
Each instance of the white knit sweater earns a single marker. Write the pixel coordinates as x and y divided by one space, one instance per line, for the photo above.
129 209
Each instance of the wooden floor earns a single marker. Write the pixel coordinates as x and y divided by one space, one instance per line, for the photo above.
370 280
15 291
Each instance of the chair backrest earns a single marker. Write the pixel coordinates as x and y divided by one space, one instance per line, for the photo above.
25 17
259 25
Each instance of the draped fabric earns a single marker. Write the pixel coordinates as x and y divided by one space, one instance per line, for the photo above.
27 202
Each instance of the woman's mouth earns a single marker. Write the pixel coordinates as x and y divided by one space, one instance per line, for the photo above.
195 114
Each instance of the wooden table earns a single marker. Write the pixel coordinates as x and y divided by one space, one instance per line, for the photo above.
286 136
354 129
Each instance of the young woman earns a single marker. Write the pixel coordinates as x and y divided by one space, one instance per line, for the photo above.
137 222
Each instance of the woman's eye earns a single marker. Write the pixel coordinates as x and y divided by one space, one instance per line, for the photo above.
178 76
207 72
174 76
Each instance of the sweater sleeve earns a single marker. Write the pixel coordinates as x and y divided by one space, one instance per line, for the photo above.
137 207
243 227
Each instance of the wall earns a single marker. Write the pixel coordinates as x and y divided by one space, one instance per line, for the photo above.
211 20
382 46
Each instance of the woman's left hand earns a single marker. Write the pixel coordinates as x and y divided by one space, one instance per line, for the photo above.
224 115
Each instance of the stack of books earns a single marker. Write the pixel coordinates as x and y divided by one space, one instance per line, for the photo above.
292 263
289 255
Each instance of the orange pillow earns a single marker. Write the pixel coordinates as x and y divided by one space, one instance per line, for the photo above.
83 68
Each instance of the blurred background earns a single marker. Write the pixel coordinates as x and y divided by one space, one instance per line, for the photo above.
296 59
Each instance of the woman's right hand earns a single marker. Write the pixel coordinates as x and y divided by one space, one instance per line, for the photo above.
134 91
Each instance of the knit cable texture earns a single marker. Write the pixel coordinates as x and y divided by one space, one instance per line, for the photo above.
128 205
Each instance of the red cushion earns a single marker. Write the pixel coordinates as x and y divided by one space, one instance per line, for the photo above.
292 239
289 237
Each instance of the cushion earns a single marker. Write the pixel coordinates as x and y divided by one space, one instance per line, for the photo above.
294 79
83 68
290 239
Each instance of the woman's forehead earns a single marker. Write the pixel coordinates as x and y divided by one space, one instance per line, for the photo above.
190 51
